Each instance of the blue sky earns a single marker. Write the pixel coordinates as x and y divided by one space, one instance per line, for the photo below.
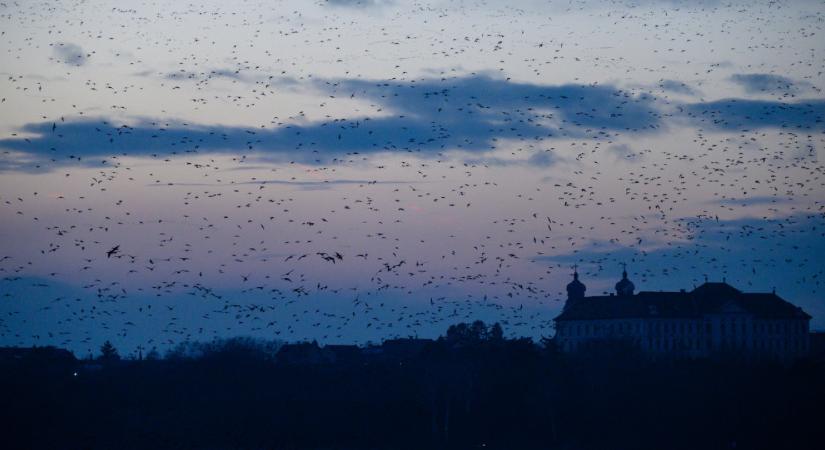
461 157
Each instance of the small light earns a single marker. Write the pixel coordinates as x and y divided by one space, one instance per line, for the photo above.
74 374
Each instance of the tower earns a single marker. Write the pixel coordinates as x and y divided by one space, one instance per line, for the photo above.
624 286
575 289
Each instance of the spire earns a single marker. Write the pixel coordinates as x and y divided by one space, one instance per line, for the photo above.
575 289
624 286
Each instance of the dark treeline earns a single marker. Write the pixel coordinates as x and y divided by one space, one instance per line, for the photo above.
472 388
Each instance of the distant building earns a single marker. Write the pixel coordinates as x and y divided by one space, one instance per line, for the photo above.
404 348
301 353
396 349
41 359
342 354
308 353
714 318
817 346
49 354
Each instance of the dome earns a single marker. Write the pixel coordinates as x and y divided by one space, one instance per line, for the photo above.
624 286
575 289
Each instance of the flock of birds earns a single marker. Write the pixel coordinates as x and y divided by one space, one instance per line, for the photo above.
404 177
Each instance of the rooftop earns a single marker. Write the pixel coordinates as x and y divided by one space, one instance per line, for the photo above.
710 297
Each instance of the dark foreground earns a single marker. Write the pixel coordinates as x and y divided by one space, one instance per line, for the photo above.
450 393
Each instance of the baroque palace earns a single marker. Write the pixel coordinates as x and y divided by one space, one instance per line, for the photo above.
714 318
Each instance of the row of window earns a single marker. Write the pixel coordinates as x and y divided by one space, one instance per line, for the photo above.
690 345
796 345
627 328
775 327
727 327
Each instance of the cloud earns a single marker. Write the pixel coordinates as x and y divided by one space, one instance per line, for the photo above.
203 77
677 87
537 159
71 54
303 185
428 116
741 114
358 3
624 151
753 200
512 107
424 117
757 83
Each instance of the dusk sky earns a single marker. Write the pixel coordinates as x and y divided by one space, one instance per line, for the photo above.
348 171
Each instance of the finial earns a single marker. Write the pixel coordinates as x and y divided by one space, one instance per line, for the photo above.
706 278
624 270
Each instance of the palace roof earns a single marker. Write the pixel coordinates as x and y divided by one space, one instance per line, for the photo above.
709 298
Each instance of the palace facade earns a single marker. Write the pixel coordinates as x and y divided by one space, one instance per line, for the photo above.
714 318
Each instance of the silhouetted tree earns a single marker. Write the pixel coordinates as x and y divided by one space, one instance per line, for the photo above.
108 352
495 334
478 331
237 349
475 333
467 392
458 333
153 355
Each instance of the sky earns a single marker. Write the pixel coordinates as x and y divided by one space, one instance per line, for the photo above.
348 171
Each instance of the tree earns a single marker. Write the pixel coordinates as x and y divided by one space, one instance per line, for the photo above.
458 333
108 352
478 331
153 355
495 333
